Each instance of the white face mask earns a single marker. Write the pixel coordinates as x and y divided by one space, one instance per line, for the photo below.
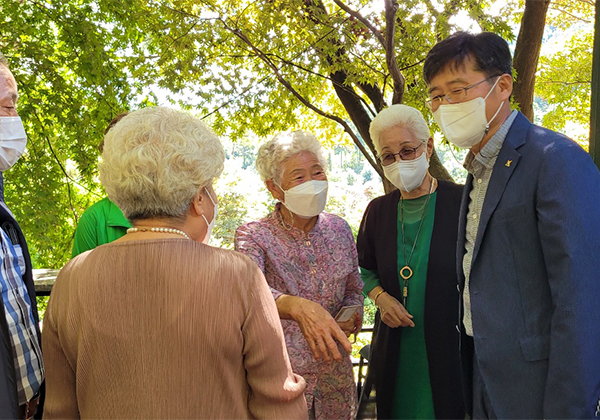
465 124
406 175
12 141
307 199
210 225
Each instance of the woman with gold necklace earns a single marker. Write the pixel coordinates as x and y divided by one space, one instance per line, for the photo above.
157 324
407 253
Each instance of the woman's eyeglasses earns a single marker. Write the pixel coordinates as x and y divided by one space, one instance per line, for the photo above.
407 153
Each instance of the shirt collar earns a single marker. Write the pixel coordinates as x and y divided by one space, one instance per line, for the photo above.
115 217
488 153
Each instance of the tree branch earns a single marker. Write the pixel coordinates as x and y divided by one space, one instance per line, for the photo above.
301 98
558 82
391 7
376 32
60 165
527 53
555 7
290 63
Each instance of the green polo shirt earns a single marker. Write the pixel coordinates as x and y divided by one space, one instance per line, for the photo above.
100 224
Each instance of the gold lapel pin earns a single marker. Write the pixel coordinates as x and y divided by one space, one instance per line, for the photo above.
507 164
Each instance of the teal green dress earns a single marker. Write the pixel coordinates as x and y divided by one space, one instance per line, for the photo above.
412 394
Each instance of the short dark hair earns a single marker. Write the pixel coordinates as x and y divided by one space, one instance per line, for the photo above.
489 51
4 61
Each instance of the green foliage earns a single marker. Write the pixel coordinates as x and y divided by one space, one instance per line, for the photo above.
564 84
42 304
79 63
72 80
563 79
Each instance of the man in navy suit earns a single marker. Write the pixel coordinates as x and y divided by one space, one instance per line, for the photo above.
529 243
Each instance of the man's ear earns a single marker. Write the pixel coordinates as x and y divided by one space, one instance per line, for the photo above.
275 191
506 86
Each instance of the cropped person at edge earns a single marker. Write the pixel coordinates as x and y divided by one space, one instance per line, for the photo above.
21 364
528 243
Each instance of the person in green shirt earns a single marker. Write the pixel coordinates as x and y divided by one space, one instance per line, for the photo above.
103 222
100 224
406 252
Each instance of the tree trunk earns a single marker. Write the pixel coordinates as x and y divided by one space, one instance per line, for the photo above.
527 53
437 169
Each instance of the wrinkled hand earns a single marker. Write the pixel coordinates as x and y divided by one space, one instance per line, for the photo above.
393 314
352 326
320 330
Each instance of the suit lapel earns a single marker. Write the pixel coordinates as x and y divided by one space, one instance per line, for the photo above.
507 161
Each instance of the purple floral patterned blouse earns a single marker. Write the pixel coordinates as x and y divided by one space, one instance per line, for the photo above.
321 266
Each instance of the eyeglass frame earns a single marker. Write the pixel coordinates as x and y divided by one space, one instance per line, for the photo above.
429 101
413 151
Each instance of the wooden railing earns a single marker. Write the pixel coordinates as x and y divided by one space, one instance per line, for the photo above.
43 279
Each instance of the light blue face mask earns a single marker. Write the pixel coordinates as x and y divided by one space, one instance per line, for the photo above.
210 225
12 141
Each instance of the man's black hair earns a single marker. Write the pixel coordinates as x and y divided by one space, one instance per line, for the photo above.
488 51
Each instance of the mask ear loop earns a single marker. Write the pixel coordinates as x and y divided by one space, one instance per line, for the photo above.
452 152
487 126
210 196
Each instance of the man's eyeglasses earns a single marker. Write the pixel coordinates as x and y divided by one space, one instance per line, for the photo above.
454 95
407 153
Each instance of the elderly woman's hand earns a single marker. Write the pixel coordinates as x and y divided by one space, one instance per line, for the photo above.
318 326
393 314
352 326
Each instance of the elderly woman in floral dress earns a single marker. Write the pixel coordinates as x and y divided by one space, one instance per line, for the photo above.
310 262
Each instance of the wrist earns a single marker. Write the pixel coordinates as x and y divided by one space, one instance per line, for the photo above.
378 295
291 306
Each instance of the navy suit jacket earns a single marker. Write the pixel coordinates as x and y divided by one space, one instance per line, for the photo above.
535 278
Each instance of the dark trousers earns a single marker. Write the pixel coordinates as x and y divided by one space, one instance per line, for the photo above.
482 407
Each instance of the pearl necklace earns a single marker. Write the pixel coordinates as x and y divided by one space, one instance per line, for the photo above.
159 230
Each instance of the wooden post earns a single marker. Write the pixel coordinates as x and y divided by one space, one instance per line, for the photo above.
595 100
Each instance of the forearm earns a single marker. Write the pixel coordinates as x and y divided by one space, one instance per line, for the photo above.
289 307
375 293
276 391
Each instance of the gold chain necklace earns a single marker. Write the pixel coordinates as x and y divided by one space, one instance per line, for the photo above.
406 272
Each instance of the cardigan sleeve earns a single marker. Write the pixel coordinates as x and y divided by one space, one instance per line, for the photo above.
61 394
365 241
277 392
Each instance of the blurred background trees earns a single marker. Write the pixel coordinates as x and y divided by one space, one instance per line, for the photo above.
251 69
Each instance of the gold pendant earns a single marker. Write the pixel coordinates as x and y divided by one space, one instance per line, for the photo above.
404 269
